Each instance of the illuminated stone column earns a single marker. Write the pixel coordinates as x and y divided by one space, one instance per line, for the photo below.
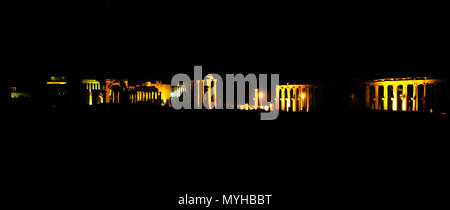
90 98
277 98
297 98
307 99
385 97
283 101
294 101
302 96
198 93
394 102
405 98
209 94
414 98
256 99
288 100
376 98
368 97
215 93
300 103
424 99
203 91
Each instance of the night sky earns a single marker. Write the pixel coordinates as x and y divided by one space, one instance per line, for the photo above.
302 42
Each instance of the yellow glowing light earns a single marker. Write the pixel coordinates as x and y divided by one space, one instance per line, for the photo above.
56 83
394 104
303 96
261 95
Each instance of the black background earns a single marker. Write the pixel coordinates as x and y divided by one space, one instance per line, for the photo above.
300 42
134 158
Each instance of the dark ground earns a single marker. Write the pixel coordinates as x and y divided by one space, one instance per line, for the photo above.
116 157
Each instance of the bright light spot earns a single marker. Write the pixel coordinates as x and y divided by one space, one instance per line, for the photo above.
303 96
261 95
56 83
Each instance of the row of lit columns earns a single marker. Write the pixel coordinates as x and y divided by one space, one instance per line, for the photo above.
404 97
93 86
143 96
211 84
298 102
178 90
115 97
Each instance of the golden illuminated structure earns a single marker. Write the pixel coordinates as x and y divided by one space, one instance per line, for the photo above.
91 85
404 94
257 101
177 90
14 94
56 91
296 98
12 89
113 88
144 94
120 91
164 90
57 80
209 85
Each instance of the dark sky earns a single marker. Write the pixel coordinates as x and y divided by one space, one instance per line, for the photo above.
145 40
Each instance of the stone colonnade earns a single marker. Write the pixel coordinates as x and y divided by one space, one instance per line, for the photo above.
145 95
91 85
296 98
208 85
405 94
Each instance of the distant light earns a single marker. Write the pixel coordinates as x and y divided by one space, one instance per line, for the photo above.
56 83
261 95
303 96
